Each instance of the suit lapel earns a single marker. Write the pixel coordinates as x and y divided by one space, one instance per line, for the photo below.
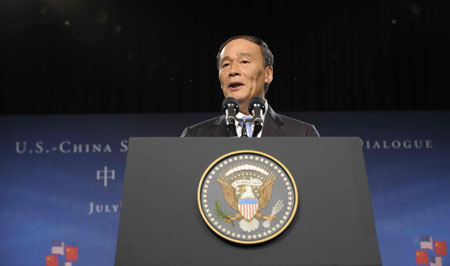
273 124
220 127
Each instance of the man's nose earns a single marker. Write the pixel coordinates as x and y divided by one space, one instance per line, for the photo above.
234 70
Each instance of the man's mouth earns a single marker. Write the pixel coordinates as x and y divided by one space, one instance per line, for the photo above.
235 85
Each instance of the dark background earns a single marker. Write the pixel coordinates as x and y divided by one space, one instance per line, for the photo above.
85 56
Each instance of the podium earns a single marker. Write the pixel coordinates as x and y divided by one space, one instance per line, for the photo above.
161 224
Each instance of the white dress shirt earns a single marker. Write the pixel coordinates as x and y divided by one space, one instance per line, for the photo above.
240 115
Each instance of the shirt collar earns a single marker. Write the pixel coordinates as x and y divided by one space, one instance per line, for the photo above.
240 115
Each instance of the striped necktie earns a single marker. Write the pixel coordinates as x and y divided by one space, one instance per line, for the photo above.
246 126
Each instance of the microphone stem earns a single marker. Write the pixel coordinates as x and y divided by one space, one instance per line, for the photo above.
256 129
231 130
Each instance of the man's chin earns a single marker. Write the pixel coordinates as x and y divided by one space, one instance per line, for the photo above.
241 100
235 95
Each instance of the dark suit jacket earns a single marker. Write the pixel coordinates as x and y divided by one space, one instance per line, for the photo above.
275 125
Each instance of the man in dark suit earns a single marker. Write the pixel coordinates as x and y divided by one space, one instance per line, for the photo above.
245 66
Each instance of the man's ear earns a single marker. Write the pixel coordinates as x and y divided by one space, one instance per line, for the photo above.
268 74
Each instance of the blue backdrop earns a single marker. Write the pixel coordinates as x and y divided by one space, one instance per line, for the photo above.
61 179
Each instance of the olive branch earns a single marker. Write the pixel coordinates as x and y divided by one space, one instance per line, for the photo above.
222 214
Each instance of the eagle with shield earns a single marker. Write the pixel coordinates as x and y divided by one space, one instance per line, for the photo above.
247 189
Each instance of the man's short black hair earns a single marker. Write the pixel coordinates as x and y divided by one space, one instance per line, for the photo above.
266 53
268 58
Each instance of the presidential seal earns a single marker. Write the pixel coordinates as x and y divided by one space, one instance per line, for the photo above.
247 197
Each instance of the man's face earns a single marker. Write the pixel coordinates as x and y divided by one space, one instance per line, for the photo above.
241 72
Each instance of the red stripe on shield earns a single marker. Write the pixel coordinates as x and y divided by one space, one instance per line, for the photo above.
248 209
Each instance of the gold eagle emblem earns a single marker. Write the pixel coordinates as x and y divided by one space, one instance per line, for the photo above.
247 197
247 189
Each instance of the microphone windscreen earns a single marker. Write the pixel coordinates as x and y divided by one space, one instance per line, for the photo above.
256 101
230 101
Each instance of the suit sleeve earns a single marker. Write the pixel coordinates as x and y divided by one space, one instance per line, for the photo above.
312 132
187 132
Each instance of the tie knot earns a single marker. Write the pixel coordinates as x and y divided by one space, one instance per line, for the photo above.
247 117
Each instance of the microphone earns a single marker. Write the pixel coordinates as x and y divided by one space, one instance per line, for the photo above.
230 107
257 108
